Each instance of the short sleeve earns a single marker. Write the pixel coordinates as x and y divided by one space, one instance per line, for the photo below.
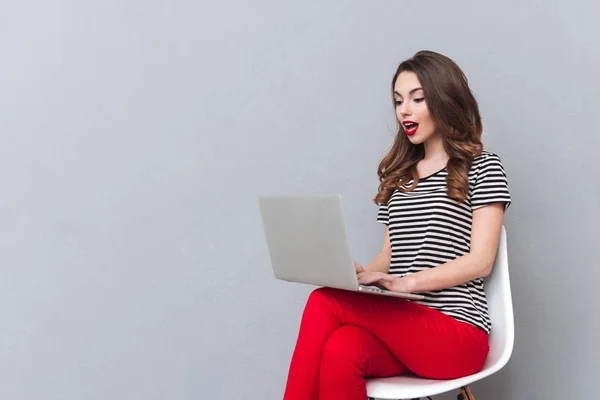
382 214
491 184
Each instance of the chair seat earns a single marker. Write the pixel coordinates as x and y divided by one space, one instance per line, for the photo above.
411 386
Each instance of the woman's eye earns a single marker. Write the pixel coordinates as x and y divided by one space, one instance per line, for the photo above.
419 99
398 102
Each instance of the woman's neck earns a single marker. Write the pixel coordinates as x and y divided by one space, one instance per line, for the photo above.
434 149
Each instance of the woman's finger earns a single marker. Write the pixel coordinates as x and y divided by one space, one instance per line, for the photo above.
364 278
358 267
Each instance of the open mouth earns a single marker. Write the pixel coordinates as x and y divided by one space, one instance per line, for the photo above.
410 127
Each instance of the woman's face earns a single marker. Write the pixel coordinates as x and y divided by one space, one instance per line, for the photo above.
411 108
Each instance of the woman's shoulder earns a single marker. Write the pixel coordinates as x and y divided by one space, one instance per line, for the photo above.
486 155
484 159
485 163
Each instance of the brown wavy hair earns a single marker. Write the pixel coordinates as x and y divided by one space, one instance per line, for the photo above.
455 113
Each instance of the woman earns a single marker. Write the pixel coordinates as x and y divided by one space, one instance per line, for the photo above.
442 200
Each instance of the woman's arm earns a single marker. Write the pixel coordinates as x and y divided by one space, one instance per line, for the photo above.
381 262
485 234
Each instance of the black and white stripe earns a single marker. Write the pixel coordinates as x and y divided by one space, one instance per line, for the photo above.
427 229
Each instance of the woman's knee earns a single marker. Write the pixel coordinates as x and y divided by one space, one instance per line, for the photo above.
347 345
321 294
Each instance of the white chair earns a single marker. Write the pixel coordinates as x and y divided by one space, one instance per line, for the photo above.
497 289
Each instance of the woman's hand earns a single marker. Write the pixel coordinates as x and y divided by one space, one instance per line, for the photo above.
366 277
386 281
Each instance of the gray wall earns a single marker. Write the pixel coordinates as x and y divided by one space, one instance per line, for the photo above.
136 137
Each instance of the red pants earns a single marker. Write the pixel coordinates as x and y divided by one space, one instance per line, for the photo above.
347 336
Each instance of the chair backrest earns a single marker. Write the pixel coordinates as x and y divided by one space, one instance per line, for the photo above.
497 290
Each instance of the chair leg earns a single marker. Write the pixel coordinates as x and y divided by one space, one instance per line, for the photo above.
465 394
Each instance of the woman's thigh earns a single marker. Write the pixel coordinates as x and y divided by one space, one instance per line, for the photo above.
428 342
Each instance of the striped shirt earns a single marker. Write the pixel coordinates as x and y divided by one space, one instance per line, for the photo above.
427 228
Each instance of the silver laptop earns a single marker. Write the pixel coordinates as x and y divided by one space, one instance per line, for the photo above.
307 241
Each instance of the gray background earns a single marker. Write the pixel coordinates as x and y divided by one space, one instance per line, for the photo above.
136 137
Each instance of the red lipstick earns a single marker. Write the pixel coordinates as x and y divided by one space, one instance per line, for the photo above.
410 127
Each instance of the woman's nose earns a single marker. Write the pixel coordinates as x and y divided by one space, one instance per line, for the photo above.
404 110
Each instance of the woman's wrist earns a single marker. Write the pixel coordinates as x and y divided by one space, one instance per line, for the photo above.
405 284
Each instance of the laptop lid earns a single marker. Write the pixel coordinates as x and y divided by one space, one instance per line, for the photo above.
307 240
